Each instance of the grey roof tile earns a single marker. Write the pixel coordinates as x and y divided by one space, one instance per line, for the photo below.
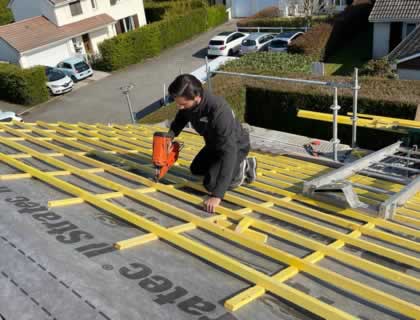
395 10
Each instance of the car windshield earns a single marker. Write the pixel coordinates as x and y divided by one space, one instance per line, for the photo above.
278 44
81 66
217 42
249 43
54 75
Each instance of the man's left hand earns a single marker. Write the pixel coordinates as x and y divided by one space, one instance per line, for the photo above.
211 203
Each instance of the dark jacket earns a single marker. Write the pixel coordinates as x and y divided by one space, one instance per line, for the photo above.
215 121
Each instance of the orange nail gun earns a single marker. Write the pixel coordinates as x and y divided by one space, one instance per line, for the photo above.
165 153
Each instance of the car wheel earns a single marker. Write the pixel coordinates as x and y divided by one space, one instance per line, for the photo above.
50 92
74 79
230 53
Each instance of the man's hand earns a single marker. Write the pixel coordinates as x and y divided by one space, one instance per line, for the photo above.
211 203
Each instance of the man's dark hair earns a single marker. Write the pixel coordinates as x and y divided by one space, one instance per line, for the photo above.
187 86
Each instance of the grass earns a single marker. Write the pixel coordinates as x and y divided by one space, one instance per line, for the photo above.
355 54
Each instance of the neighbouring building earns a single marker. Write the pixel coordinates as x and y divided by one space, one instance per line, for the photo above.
247 8
393 21
406 56
48 31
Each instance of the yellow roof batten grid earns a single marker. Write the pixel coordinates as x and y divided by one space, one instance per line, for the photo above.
286 292
243 238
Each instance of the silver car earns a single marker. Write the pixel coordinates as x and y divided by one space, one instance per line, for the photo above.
282 41
256 42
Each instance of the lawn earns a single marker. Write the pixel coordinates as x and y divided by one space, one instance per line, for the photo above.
355 54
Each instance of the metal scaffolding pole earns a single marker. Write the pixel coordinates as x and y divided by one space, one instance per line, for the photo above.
335 141
208 72
356 89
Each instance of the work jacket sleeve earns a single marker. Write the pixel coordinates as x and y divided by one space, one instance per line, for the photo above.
178 124
227 150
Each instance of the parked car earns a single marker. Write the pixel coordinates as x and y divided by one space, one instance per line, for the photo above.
226 43
282 41
76 68
7 116
258 41
58 82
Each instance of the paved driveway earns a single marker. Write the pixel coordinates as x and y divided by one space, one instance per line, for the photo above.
102 100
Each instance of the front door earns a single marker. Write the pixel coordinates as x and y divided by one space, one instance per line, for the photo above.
87 43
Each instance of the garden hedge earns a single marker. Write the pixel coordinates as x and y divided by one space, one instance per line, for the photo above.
276 107
23 86
6 15
148 41
324 38
292 22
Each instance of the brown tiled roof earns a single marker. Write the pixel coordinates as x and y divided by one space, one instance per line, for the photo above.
408 47
395 10
38 31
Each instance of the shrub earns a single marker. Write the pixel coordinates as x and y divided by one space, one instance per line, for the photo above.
289 22
270 63
378 68
216 15
314 42
23 86
155 11
323 39
281 103
6 15
348 24
269 12
148 41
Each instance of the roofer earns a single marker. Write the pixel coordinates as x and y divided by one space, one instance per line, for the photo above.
223 161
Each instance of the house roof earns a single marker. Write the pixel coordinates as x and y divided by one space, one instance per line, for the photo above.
395 10
38 31
409 47
65 203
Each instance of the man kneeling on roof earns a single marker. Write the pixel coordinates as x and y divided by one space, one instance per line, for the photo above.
223 161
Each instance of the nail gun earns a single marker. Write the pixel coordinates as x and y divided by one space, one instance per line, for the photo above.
165 153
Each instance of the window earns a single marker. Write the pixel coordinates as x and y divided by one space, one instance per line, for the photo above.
410 28
76 8
67 66
94 4
230 39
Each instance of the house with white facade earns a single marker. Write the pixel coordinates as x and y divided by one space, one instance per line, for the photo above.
393 21
247 8
48 31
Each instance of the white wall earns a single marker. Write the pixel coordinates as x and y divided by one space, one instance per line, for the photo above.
381 33
7 53
48 56
122 9
24 9
407 74
97 37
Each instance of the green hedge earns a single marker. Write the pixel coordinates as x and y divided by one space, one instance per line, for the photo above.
325 38
293 22
148 41
216 15
6 15
281 105
156 11
23 86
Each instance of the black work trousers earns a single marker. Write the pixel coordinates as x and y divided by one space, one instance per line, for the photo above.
207 164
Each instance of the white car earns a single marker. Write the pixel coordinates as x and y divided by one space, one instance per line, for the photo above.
226 43
258 41
282 41
7 116
57 81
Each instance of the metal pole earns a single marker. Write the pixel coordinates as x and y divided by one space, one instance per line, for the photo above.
208 72
126 91
164 94
356 89
335 141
